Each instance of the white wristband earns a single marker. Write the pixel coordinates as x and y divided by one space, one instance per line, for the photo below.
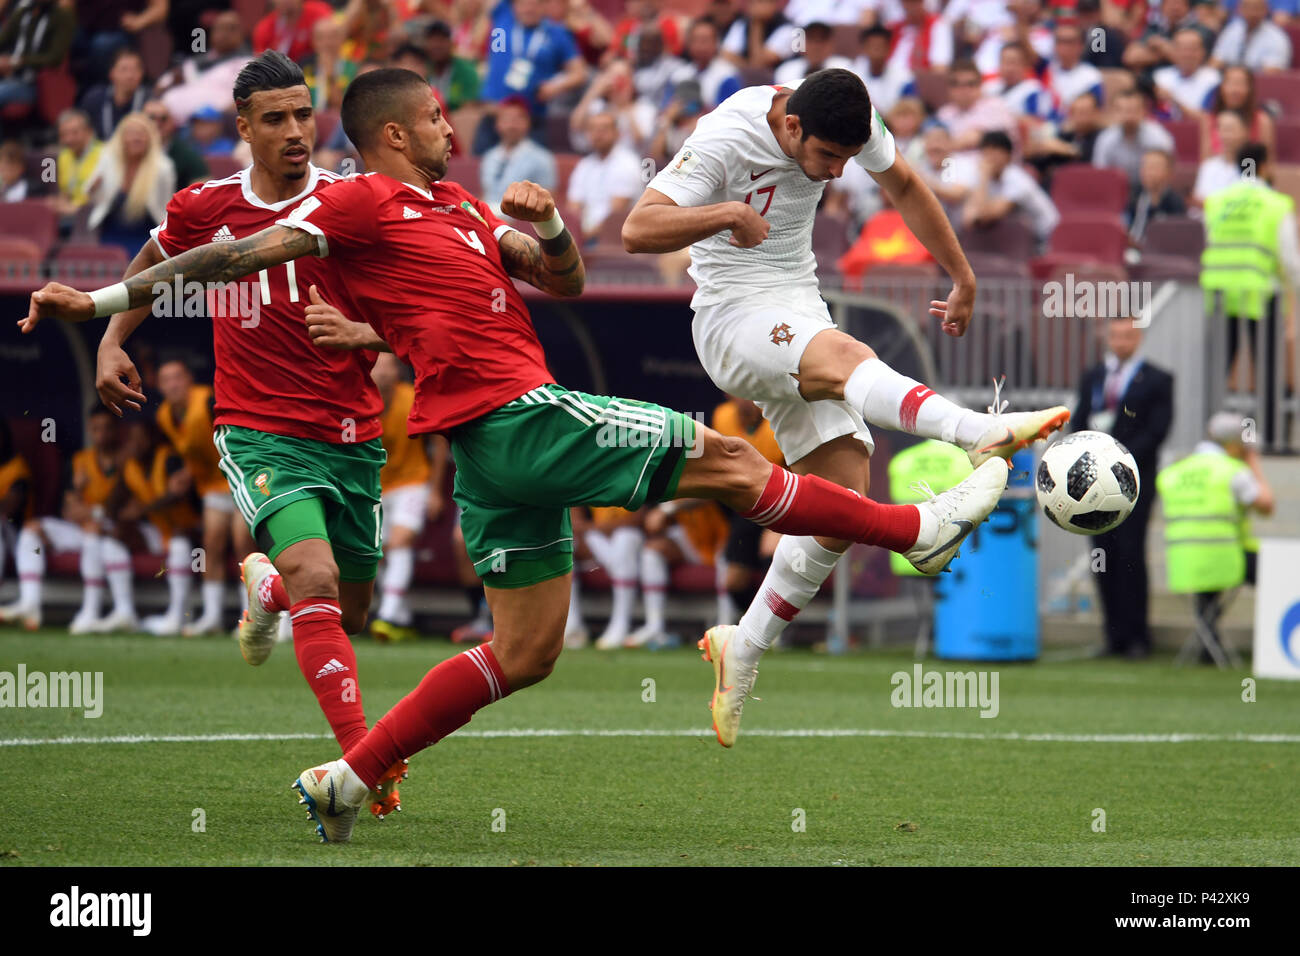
111 300
551 227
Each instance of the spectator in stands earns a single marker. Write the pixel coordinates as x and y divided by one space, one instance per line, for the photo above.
13 171
973 21
922 40
208 133
949 175
1073 141
1069 76
1017 86
643 16
470 25
818 54
131 185
1155 197
515 157
105 26
1103 45
17 498
288 27
613 92
1156 45
676 122
1237 93
190 166
537 59
886 81
723 15
326 70
761 39
1122 144
1002 189
206 78
1252 40
605 182
125 92
716 76
968 114
455 77
905 120
35 35
80 530
408 56
683 531
591 31
77 158
612 537
653 67
849 13
1220 171
372 28
1187 84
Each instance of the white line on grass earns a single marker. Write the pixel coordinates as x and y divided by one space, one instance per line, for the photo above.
646 732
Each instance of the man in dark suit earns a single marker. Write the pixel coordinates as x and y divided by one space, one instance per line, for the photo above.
1133 400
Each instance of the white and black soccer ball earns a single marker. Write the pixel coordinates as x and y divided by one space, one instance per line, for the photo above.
1087 483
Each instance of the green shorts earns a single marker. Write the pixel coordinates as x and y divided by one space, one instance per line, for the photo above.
268 472
521 467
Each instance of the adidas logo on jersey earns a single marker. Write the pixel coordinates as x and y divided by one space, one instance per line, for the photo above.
332 666
409 213
223 235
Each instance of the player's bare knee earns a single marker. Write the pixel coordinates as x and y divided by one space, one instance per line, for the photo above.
312 580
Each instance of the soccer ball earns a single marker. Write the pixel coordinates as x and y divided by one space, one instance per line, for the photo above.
1087 483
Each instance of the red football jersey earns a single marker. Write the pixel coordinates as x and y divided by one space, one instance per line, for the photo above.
269 376
425 270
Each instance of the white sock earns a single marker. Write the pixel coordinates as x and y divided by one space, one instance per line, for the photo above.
399 563
179 577
30 560
117 568
213 592
574 621
895 401
92 576
654 587
799 567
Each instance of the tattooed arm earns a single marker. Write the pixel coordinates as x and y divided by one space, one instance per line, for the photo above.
215 262
552 265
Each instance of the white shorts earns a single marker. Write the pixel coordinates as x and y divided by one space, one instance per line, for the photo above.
404 507
222 501
678 536
62 535
751 348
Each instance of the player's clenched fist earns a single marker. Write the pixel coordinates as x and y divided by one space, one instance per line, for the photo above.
749 228
528 202
331 329
56 301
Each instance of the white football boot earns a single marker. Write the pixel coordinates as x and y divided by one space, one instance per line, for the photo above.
1008 433
259 628
732 681
322 794
948 518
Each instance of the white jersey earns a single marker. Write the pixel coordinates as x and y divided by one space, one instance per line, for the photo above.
733 156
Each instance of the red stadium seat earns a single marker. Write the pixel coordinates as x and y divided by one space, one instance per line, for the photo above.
326 122
20 264
932 88
83 260
1009 236
32 219
988 265
219 167
1175 236
1293 31
564 163
1155 267
1282 88
1091 238
1084 188
463 170
1288 140
1187 139
830 239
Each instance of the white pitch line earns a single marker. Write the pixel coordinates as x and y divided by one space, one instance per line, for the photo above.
516 733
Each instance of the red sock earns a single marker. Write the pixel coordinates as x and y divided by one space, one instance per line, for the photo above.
272 594
326 659
806 504
444 701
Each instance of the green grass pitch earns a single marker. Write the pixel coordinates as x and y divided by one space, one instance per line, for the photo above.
936 786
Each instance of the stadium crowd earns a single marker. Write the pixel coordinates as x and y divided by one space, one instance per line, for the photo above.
1046 129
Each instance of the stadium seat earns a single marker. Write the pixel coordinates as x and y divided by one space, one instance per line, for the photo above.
78 260
1156 267
1080 187
20 264
250 11
1187 139
155 46
1293 31
556 134
932 88
564 163
1282 88
219 167
988 265
463 170
1175 236
32 219
1095 238
1184 177
1009 236
1286 178
327 122
830 238
1288 140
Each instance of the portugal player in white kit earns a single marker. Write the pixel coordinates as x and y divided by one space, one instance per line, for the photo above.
742 193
